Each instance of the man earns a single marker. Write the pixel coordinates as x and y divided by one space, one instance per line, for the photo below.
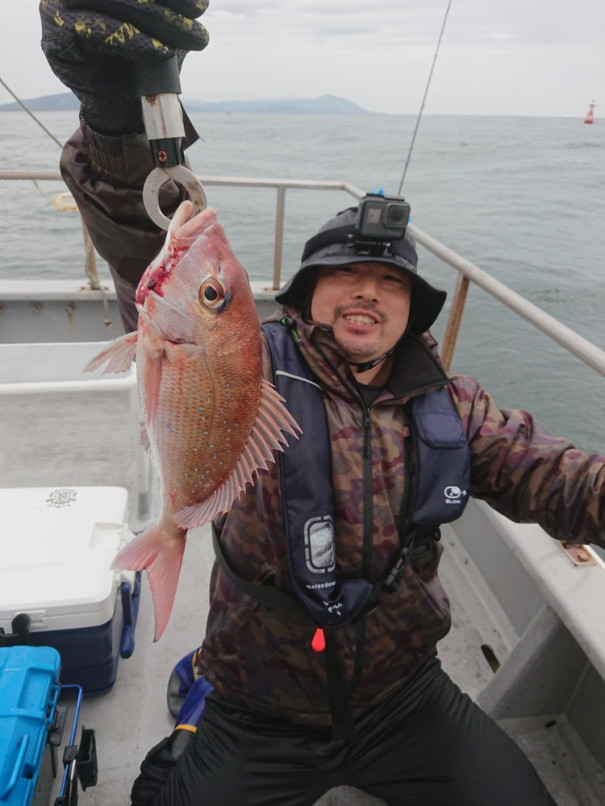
326 608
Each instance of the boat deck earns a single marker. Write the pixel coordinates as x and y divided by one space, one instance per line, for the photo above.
84 432
133 716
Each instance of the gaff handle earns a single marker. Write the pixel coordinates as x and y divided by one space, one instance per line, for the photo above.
159 86
157 78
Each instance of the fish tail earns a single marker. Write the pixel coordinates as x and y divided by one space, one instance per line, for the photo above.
160 554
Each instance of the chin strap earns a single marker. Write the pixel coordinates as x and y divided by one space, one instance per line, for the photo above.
371 364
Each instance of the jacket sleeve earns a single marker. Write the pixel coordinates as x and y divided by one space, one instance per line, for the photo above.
106 176
528 475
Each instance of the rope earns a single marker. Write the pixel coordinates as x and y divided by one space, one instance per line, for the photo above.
90 268
31 114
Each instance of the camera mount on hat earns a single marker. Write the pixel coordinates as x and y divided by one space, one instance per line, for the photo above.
379 220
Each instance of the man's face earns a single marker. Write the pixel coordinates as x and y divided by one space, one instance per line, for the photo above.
366 304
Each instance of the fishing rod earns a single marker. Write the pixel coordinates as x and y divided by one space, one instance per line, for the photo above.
426 92
91 271
31 114
42 126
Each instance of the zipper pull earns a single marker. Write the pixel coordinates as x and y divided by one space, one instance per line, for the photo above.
318 644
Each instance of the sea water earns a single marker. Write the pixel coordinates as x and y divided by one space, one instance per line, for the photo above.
523 198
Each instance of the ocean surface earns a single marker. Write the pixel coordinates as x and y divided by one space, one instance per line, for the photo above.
524 198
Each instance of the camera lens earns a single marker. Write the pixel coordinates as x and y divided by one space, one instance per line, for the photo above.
396 215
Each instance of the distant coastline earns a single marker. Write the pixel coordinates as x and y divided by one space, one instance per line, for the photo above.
324 105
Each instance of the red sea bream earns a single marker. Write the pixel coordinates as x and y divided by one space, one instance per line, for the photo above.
210 419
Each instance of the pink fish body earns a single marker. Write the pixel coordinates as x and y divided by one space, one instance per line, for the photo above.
211 420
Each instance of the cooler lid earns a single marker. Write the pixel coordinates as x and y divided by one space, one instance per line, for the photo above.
57 548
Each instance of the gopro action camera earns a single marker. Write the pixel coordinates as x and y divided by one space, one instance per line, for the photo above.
382 218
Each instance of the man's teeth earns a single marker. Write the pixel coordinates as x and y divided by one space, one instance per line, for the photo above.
359 319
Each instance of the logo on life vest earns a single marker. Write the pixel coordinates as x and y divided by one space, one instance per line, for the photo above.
454 495
319 545
335 607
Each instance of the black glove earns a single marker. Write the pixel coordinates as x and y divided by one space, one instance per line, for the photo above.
92 44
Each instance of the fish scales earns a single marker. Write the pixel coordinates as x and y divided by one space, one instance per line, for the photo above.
203 424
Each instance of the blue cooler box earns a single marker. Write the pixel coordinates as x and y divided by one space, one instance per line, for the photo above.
29 688
55 567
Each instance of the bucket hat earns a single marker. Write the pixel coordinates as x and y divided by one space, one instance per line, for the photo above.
336 245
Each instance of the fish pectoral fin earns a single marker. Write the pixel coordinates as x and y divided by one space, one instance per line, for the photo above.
145 441
160 554
118 355
273 421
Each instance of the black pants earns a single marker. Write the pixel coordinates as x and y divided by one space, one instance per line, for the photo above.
429 745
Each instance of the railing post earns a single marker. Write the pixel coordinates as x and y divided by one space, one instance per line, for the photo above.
454 320
90 264
279 236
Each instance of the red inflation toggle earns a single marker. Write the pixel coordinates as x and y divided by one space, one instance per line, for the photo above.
319 640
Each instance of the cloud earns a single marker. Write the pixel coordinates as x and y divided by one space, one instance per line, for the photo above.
329 21
497 56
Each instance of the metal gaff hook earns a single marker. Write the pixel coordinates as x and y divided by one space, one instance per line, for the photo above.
182 176
159 86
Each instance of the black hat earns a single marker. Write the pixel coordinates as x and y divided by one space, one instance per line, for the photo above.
335 245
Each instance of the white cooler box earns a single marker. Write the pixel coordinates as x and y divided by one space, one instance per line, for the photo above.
57 587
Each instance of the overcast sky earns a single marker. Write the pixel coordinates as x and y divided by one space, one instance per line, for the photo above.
502 57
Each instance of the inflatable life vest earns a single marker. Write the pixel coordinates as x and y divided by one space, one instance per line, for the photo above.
442 478
438 495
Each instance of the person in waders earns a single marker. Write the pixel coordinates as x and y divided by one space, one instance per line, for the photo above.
319 666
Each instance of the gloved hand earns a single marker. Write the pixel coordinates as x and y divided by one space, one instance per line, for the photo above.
92 44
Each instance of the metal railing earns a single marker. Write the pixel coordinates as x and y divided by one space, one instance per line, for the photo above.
468 272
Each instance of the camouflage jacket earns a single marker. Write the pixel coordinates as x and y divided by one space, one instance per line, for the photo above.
263 659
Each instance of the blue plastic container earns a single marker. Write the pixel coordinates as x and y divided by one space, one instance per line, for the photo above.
29 689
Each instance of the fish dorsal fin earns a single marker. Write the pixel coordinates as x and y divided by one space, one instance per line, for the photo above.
273 421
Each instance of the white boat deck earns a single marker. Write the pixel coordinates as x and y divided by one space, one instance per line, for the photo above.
133 715
516 602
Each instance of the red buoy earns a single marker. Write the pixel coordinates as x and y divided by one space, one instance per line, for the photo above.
590 114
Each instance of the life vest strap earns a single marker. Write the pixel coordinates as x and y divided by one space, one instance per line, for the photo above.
266 595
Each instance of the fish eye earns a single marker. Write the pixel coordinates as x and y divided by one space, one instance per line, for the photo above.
212 293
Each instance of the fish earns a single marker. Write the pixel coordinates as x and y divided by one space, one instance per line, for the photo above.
209 418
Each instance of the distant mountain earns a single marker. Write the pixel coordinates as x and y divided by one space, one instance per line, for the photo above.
324 105
64 101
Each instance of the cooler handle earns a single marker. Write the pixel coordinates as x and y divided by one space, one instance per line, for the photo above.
20 627
130 611
18 767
